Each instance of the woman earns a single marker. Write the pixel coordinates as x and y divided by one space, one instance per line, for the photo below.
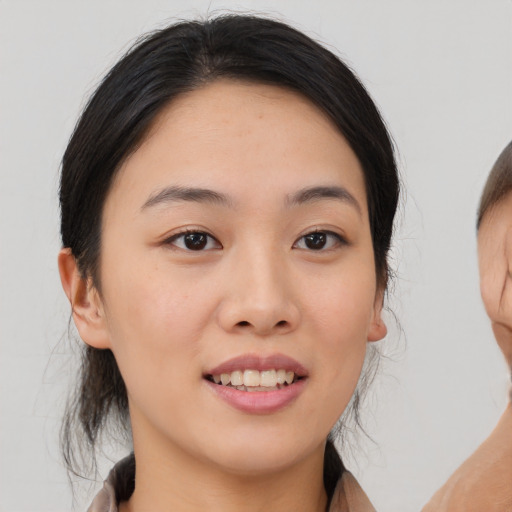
227 205
484 481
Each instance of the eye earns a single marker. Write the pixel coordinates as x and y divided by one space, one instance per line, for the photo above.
194 241
319 241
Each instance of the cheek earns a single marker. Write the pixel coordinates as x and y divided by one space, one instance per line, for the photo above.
155 316
341 313
155 326
339 334
344 302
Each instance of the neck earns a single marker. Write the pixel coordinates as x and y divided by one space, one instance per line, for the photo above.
172 480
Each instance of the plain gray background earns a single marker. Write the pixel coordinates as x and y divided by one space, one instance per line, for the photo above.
441 72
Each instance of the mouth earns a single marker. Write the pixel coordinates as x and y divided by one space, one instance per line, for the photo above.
255 384
253 380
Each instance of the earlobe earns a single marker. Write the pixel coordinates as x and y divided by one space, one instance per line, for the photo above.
86 304
378 329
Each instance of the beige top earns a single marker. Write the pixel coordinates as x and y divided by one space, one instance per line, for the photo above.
348 495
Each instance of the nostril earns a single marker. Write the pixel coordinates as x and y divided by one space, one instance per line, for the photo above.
282 324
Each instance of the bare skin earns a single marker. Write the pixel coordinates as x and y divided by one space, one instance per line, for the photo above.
484 481
284 267
495 251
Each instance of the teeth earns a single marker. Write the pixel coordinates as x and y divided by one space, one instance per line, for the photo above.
268 378
253 380
237 378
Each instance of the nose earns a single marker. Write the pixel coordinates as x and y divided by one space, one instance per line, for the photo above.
259 296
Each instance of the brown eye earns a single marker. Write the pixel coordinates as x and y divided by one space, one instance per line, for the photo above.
319 240
315 241
194 241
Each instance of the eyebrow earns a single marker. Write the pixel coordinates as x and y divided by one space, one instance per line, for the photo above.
192 194
310 194
203 195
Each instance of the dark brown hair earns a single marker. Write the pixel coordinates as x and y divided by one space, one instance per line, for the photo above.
161 66
498 184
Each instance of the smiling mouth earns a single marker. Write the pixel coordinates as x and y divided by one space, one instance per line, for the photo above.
254 380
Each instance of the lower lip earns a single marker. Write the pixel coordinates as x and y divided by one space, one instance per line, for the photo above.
258 402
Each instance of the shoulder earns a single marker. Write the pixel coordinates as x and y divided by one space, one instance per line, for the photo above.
483 481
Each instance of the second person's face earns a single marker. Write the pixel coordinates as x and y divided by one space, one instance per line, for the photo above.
495 262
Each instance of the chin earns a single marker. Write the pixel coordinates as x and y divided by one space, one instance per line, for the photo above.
257 464
254 455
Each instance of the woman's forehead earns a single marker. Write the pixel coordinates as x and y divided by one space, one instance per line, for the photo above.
229 104
242 136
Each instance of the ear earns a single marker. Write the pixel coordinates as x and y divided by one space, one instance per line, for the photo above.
378 329
86 304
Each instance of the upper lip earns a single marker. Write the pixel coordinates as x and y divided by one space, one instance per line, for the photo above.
260 363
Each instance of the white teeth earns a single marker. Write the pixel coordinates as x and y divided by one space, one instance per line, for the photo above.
253 380
237 378
268 378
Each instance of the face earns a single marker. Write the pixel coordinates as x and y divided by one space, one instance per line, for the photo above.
238 286
495 263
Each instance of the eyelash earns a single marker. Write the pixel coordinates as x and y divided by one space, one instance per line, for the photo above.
182 234
338 240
